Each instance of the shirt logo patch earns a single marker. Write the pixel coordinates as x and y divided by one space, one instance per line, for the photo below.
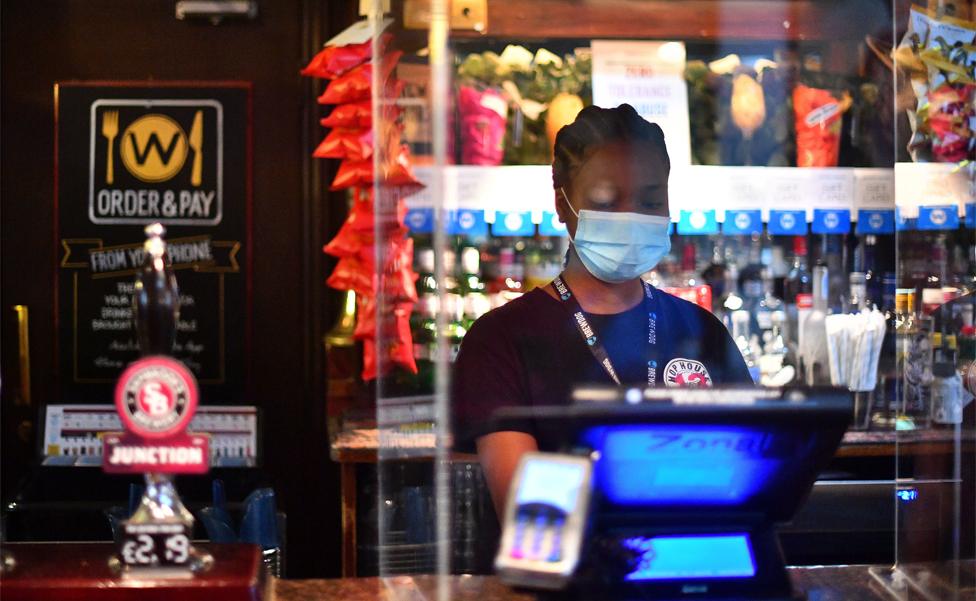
686 373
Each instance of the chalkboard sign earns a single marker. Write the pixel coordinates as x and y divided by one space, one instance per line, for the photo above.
133 153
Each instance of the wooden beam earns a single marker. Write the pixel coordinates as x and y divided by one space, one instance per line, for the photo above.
767 20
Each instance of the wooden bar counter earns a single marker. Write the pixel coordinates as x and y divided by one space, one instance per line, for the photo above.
834 583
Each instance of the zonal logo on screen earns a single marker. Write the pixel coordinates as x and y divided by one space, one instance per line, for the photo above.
156 160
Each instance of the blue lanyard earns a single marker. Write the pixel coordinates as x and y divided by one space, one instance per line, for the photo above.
593 340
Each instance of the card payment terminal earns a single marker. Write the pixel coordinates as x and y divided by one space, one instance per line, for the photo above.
547 511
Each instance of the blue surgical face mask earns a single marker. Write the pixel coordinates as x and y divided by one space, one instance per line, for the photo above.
616 247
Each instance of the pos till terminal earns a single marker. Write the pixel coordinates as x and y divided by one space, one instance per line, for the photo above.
666 493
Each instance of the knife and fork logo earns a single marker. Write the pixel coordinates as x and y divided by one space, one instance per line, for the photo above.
153 147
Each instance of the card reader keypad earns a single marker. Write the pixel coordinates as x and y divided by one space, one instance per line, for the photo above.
538 534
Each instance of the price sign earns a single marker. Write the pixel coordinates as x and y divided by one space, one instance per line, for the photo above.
155 545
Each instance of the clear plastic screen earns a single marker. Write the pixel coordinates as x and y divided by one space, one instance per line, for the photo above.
787 132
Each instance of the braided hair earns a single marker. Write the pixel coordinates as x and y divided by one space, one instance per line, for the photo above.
595 127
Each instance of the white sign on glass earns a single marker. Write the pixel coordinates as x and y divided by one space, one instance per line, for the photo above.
650 77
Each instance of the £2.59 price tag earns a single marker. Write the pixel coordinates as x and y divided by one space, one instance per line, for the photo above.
155 545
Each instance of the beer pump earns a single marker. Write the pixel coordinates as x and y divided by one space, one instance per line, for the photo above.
153 558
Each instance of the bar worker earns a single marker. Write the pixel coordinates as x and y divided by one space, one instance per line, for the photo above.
598 322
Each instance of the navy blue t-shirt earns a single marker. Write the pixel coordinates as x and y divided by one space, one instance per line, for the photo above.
530 353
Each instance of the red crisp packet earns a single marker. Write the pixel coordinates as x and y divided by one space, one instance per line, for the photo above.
949 115
401 347
369 360
483 117
401 285
342 143
348 242
365 317
398 173
353 173
353 114
390 351
351 273
395 173
818 124
360 114
362 216
357 84
333 61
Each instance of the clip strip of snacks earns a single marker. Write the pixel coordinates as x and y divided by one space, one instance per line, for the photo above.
384 330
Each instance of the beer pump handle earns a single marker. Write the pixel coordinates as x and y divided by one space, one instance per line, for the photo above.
156 301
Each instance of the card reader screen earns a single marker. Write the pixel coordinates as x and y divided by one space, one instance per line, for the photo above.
550 483
691 557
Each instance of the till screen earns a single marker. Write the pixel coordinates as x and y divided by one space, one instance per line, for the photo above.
550 483
691 557
689 465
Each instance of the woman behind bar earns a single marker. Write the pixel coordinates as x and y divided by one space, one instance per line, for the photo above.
598 322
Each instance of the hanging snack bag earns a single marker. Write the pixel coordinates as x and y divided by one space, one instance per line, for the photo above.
357 84
483 114
360 173
342 143
818 124
395 347
351 273
359 115
333 61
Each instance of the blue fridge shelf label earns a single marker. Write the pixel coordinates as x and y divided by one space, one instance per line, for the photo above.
467 222
513 224
904 223
551 226
697 223
831 221
788 223
742 222
938 218
871 221
420 221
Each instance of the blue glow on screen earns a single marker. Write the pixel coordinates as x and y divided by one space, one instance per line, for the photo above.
677 464
692 557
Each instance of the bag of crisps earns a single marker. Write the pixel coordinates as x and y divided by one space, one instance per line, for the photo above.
333 61
818 123
351 273
342 143
483 116
357 84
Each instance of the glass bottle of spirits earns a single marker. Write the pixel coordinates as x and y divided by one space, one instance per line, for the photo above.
936 278
740 334
507 286
872 279
858 292
689 276
798 289
768 307
423 321
813 353
889 389
751 287
913 357
473 290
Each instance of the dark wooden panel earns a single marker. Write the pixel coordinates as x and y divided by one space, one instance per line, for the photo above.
44 41
687 19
